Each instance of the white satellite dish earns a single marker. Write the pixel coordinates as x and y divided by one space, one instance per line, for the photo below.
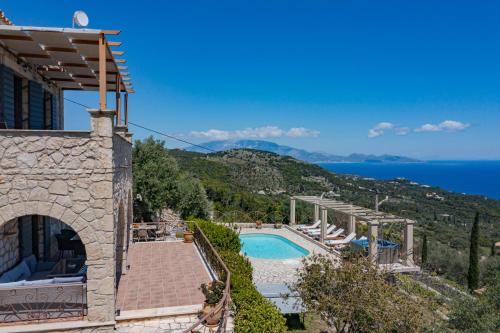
80 19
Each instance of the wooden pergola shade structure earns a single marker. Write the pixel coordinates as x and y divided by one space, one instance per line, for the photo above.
73 59
361 214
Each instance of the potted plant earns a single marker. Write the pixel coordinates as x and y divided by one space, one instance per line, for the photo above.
188 236
258 224
213 292
278 224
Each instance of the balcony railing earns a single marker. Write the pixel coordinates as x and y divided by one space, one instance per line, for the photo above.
43 303
223 274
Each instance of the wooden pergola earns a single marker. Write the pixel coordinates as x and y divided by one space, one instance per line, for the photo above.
72 59
356 213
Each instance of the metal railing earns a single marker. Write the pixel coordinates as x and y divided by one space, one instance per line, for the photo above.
223 274
44 302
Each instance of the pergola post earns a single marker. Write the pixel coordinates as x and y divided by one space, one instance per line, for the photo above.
408 242
118 97
292 211
125 109
324 218
102 72
351 226
372 241
316 212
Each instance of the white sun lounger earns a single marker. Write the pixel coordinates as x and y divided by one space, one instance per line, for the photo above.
316 231
335 234
346 240
310 226
328 231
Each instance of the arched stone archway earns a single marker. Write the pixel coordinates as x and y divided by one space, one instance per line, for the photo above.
98 246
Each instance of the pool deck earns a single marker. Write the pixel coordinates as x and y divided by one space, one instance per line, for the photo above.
280 271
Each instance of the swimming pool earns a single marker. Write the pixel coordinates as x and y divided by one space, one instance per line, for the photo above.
267 246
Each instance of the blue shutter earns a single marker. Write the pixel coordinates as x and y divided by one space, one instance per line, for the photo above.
6 97
54 115
36 116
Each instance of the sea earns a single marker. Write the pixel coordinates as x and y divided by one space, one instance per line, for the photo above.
470 177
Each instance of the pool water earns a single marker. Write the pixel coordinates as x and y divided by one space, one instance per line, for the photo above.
267 246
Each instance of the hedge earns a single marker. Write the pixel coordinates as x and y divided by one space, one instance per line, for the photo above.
253 312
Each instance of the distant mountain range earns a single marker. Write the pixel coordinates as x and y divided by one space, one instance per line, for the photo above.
300 154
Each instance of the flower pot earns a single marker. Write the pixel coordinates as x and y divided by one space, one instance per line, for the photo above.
188 237
214 318
258 224
278 225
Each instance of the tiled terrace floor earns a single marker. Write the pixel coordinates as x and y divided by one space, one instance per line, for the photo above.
162 274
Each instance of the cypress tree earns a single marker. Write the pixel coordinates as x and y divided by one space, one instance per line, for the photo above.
473 274
424 250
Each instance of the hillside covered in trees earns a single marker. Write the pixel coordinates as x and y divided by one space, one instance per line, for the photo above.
250 180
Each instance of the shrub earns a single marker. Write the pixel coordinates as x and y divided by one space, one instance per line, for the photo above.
254 313
237 264
222 238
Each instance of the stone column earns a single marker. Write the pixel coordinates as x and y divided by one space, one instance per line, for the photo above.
372 241
316 212
101 122
101 274
292 211
324 219
408 242
351 225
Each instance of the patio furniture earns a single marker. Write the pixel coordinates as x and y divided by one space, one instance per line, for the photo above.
67 268
334 235
309 226
387 250
28 269
311 232
343 241
317 232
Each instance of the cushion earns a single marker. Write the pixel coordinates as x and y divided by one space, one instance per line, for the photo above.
68 279
38 282
11 284
19 272
31 262
5 278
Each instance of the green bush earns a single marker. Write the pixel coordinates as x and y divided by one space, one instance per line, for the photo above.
254 313
222 238
237 264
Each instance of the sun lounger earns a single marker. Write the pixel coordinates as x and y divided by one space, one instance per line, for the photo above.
316 231
336 234
329 230
346 240
309 226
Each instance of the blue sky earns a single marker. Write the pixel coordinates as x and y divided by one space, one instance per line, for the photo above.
415 78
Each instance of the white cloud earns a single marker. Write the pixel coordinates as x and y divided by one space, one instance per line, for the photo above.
297 132
402 130
379 129
255 133
446 126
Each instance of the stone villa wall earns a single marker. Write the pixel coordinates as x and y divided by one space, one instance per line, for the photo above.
9 245
69 176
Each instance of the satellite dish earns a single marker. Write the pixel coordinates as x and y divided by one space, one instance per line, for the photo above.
80 19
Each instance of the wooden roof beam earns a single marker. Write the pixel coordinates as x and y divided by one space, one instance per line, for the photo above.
15 37
60 49
110 32
114 43
119 53
33 55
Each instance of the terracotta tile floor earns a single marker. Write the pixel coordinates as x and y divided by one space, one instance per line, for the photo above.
161 274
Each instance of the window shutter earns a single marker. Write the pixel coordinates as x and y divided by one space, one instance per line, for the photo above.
6 97
53 113
36 115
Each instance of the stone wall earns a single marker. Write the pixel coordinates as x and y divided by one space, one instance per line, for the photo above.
69 176
9 245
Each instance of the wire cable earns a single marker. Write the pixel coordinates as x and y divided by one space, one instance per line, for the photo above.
152 130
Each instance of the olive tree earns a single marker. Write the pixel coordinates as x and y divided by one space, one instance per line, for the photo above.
354 296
